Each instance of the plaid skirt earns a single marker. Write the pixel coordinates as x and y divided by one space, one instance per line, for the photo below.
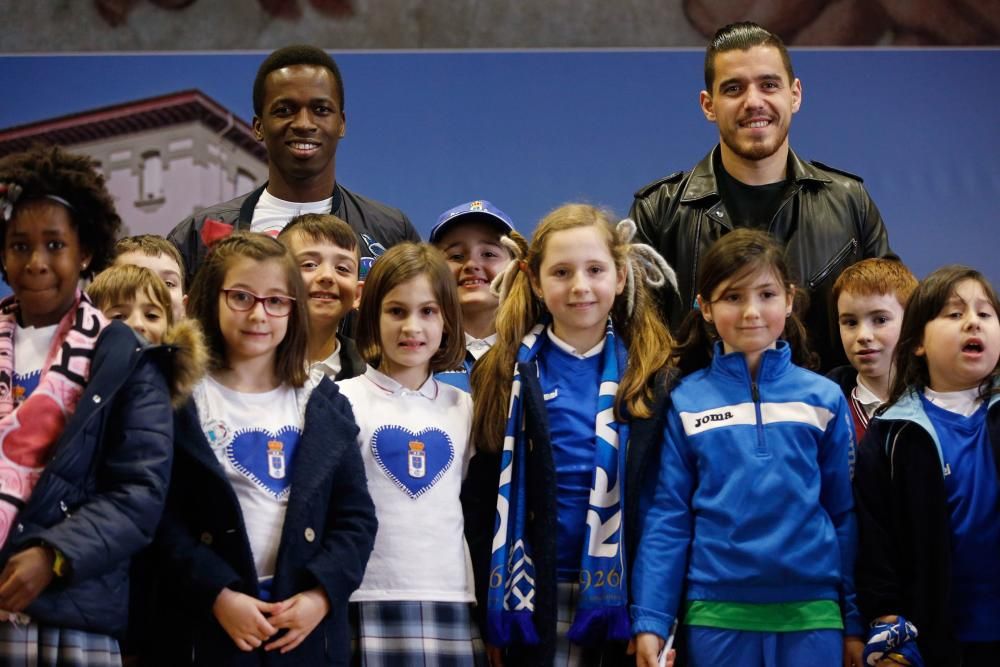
35 645
415 634
569 654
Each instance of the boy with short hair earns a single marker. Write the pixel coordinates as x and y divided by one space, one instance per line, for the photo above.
136 296
326 250
162 258
871 297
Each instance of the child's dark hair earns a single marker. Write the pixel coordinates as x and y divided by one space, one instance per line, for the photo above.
152 245
739 253
204 300
120 284
926 303
322 227
44 171
401 263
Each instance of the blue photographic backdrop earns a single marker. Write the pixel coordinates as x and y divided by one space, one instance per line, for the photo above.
530 130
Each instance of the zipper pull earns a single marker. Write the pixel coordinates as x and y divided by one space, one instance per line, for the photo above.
754 392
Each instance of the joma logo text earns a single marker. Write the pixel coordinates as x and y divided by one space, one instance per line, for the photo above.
717 417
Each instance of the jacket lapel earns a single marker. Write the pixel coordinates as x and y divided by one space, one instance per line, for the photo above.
108 373
327 432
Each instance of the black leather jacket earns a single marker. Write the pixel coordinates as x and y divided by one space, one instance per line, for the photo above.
827 221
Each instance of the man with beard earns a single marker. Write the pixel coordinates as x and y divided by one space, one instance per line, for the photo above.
298 106
823 216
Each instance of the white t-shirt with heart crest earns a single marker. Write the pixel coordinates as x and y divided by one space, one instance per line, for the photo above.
415 445
254 437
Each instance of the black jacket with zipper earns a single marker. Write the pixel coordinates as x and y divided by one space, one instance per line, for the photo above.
826 221
904 525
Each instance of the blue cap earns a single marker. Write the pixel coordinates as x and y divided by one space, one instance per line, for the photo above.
479 209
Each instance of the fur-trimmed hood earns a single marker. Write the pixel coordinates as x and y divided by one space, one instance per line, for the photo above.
185 360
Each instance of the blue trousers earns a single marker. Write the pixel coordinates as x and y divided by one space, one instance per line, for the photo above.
813 648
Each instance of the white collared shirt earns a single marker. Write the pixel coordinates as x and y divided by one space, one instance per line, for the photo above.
415 446
866 398
477 347
329 366
569 349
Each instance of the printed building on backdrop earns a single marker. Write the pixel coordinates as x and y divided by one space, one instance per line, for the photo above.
164 157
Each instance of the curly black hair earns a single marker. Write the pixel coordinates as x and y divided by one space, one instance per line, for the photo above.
49 170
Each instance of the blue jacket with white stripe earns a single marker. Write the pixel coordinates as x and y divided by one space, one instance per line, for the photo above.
753 498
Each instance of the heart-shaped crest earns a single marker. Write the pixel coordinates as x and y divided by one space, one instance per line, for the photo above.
414 461
263 457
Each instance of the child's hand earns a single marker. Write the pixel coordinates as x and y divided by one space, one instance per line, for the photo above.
299 614
242 617
26 574
495 655
647 649
891 640
854 648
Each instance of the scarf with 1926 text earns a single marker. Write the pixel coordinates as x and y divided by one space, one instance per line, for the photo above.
602 612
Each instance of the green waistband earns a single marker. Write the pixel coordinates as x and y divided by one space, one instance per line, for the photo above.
776 617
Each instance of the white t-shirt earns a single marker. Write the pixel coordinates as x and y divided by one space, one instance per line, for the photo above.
963 402
415 445
254 437
31 346
272 214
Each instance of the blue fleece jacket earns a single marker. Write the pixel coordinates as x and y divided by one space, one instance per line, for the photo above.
752 502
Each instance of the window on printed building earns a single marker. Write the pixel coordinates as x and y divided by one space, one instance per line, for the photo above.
151 180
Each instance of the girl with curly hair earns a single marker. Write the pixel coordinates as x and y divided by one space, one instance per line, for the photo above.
85 422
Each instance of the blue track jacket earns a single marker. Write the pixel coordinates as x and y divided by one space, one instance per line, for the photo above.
753 500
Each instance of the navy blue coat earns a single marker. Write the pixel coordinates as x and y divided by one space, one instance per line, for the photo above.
326 540
100 496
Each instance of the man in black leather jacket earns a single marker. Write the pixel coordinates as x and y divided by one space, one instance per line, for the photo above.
823 216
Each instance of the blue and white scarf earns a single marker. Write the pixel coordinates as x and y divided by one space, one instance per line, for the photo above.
602 612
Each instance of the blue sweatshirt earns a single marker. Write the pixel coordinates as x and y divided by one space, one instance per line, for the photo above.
753 499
